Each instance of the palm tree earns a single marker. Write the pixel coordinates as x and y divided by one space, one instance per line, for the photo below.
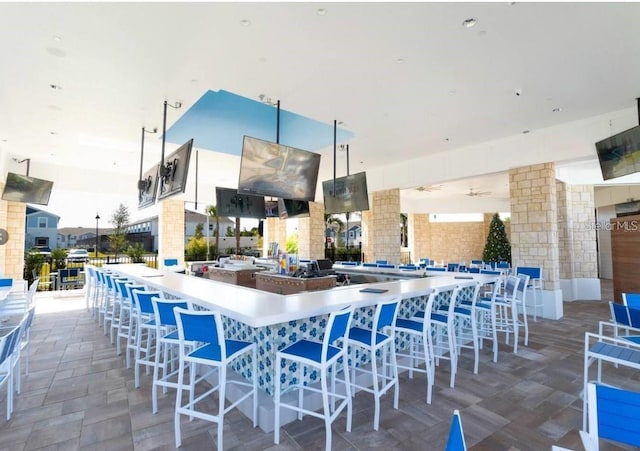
333 222
212 211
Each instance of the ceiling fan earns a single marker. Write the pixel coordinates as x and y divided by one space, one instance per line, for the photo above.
474 193
429 188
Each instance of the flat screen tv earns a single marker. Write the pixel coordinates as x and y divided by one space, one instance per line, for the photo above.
30 190
350 194
173 174
148 187
290 208
272 169
271 209
620 154
627 209
230 203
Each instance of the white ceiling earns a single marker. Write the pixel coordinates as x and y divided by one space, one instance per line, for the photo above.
407 78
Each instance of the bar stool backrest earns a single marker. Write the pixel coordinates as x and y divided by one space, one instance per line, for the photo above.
143 300
163 310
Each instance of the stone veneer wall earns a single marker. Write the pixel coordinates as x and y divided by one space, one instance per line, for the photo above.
12 219
454 242
534 225
171 231
366 225
382 233
275 230
419 236
578 252
311 232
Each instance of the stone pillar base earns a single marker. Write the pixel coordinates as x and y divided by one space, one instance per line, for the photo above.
585 289
551 304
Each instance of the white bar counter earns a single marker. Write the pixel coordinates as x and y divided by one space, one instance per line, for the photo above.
258 308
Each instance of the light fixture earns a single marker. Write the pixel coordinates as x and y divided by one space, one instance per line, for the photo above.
321 12
468 23
56 38
556 110
524 132
400 60
55 87
245 22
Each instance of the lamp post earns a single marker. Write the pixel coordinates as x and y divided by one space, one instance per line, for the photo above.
97 236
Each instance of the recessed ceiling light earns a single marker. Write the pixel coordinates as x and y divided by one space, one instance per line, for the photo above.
468 23
524 132
194 80
54 107
56 38
321 12
55 87
400 60
556 110
245 22
446 139
452 92
52 133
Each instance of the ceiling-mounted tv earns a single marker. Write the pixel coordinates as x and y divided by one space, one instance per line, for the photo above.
271 209
30 190
272 169
290 208
620 154
148 187
350 194
174 171
627 209
230 203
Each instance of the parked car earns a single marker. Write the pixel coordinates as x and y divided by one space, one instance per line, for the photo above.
78 255
43 250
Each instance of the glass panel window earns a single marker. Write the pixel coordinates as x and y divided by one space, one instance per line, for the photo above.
42 222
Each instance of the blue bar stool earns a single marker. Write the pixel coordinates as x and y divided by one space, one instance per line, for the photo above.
145 331
380 338
165 372
213 351
420 344
322 356
128 333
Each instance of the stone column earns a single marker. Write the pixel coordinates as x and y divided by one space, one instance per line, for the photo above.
12 219
381 227
534 228
419 236
311 233
275 230
171 231
578 253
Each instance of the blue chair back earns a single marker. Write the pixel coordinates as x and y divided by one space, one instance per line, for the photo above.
631 299
524 282
614 414
133 286
381 262
533 272
473 270
503 265
349 263
452 266
163 309
121 285
408 267
456 442
634 317
386 314
199 326
9 343
619 314
170 261
436 268
490 272
511 286
5 282
337 326
143 300
369 265
477 262
386 265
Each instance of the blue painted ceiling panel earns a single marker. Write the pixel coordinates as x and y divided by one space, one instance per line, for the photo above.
219 120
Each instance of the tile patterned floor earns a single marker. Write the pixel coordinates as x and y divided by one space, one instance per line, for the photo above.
79 395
